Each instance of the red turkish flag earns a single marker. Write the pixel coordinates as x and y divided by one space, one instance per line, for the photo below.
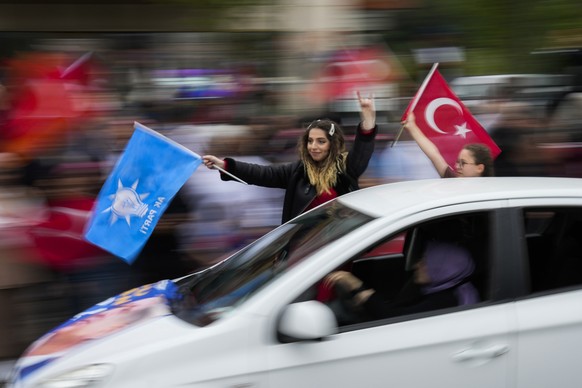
443 118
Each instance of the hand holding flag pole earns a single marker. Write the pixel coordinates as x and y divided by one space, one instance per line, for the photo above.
414 101
211 162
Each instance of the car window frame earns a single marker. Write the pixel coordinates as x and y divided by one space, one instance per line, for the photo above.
520 273
526 272
496 217
396 223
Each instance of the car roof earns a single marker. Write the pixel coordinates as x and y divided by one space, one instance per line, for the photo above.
384 200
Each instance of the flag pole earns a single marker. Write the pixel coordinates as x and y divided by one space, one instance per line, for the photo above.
397 136
229 174
416 98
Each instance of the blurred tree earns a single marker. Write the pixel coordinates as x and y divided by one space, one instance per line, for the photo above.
214 3
508 29
214 11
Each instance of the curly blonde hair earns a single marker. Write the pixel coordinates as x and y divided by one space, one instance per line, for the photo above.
323 175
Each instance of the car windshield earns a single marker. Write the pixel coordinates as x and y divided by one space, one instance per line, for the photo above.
209 294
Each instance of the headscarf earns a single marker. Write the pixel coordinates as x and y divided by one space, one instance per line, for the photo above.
449 266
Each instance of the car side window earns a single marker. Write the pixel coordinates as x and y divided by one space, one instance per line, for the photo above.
432 266
554 247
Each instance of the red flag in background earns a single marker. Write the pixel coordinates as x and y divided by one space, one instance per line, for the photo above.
354 69
443 118
48 99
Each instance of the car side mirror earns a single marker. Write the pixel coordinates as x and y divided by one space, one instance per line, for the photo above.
306 321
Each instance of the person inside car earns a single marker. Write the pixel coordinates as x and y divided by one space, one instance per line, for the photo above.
441 279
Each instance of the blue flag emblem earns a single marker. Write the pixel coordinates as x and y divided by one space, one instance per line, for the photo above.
146 177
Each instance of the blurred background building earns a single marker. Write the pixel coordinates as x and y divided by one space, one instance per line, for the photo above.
242 78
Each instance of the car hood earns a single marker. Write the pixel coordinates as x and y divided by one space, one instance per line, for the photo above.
119 313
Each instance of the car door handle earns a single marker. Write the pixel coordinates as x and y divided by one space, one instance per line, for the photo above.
480 353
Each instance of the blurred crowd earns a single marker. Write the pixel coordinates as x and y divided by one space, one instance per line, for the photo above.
66 115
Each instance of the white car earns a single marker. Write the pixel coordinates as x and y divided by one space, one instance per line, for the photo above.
253 319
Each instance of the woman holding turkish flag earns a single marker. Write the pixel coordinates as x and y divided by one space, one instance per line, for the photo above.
447 132
474 159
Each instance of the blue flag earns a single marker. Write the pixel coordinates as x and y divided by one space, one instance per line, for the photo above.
146 177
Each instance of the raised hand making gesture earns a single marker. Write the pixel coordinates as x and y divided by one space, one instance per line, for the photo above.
367 112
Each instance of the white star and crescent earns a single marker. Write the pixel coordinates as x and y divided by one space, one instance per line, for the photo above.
431 108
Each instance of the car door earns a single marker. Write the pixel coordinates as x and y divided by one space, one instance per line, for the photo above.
455 347
549 315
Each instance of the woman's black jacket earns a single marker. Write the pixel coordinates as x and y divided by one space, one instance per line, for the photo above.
291 176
